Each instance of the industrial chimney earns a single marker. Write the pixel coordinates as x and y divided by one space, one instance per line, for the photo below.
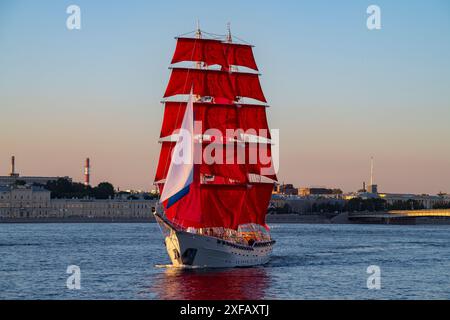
87 172
13 164
13 167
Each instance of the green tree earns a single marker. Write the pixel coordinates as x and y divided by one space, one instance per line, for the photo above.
20 182
104 190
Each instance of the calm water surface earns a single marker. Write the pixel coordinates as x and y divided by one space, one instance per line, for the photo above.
123 261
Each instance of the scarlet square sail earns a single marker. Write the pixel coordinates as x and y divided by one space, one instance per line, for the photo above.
235 189
213 52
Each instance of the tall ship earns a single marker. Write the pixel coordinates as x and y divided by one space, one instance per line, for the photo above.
215 173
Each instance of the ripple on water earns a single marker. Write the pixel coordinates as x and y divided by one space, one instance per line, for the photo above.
128 261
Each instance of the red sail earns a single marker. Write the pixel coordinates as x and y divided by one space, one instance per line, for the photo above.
228 165
254 159
216 116
259 160
222 206
211 116
173 117
237 163
253 117
187 212
256 203
247 85
212 83
240 55
205 50
224 164
209 206
213 52
165 157
234 165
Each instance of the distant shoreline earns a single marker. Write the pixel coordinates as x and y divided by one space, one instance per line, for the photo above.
78 220
279 218
271 218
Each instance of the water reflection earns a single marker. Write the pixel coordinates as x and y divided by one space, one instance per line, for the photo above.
211 284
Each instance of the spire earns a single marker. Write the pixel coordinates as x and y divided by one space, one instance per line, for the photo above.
373 188
371 171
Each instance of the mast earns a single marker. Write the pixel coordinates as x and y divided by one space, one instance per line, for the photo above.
198 32
229 38
198 35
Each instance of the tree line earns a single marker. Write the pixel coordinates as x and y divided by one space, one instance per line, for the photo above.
361 205
63 188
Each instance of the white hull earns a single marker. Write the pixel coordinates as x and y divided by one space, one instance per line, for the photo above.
192 250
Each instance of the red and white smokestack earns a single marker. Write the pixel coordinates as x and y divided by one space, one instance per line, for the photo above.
87 172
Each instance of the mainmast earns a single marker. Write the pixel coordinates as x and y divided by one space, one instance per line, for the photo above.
198 35
229 39
198 32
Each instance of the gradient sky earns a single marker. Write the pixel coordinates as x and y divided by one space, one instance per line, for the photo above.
339 93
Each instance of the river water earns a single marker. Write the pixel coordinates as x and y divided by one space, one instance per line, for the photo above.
127 261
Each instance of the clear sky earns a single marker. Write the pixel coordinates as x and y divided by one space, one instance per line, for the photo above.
339 93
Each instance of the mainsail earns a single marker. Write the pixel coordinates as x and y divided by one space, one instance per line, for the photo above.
236 190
